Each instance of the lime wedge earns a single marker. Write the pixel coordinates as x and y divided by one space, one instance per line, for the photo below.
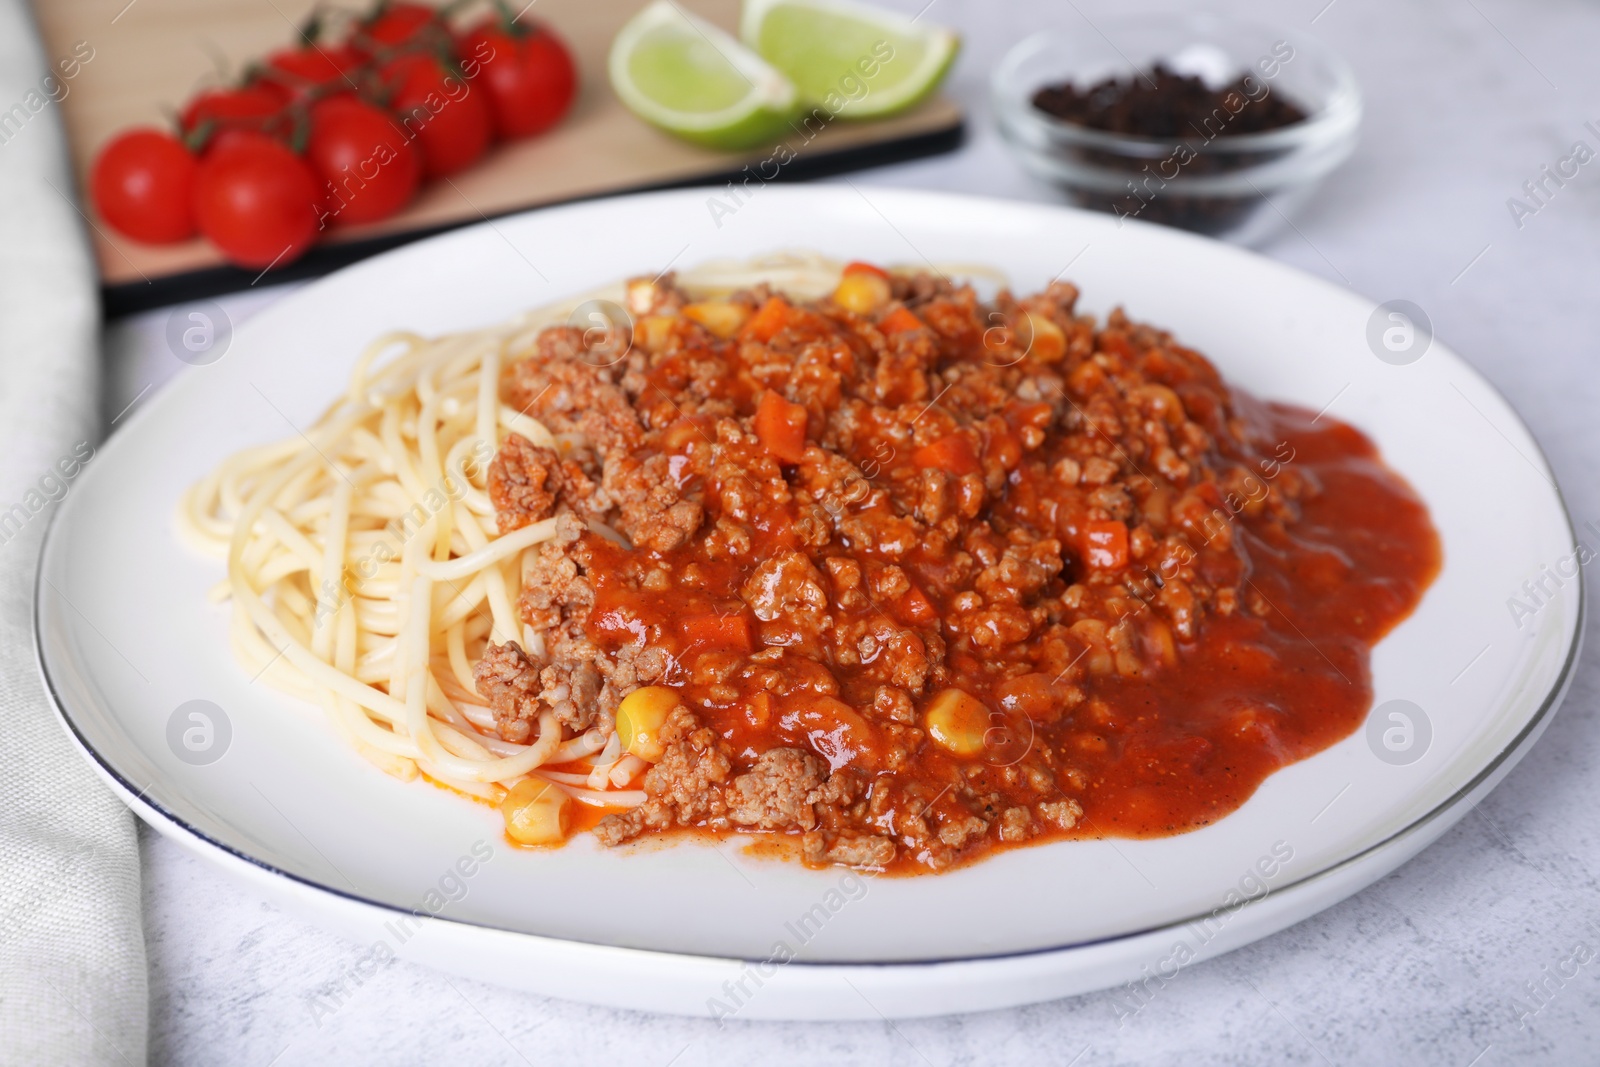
857 61
683 74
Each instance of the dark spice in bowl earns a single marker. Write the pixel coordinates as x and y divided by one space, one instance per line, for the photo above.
1231 154
1164 104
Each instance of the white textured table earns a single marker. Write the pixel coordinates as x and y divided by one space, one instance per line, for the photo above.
1466 100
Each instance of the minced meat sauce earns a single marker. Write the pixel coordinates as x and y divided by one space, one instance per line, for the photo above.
930 577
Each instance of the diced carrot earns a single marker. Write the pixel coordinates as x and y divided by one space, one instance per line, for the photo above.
758 709
915 607
615 621
900 321
953 454
773 316
1038 415
834 729
730 631
680 433
1005 449
774 528
858 267
1106 545
781 427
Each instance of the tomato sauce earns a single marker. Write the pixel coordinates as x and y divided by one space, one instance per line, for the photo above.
1018 575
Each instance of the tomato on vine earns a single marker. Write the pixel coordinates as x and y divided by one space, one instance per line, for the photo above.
214 112
257 201
335 131
449 118
527 70
369 168
396 26
143 185
313 71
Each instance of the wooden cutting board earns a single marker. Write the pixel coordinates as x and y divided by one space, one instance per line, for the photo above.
148 56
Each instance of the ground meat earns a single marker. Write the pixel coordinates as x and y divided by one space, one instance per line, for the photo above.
523 482
624 826
694 762
509 681
652 511
683 789
1016 824
555 587
789 587
1063 814
571 687
568 387
848 849
961 828
693 785
630 667
894 703
527 483
915 569
777 793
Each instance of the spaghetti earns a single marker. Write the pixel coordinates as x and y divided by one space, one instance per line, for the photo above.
365 570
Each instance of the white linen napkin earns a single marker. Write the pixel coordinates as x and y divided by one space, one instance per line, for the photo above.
73 985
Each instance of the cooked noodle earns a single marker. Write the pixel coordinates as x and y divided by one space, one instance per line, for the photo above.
365 570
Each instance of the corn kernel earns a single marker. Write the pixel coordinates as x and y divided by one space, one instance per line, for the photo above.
720 317
651 332
957 721
639 719
862 293
1047 343
536 813
642 295
759 709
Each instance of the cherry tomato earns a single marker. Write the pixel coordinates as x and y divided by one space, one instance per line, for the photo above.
398 25
448 116
143 184
257 201
250 107
528 71
313 70
370 168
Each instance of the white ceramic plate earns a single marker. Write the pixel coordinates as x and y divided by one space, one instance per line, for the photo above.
126 637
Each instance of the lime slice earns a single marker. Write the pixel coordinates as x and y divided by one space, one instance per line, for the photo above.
857 61
683 74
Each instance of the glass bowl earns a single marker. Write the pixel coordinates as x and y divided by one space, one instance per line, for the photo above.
1240 188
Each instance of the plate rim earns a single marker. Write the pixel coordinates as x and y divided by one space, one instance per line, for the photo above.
1503 760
